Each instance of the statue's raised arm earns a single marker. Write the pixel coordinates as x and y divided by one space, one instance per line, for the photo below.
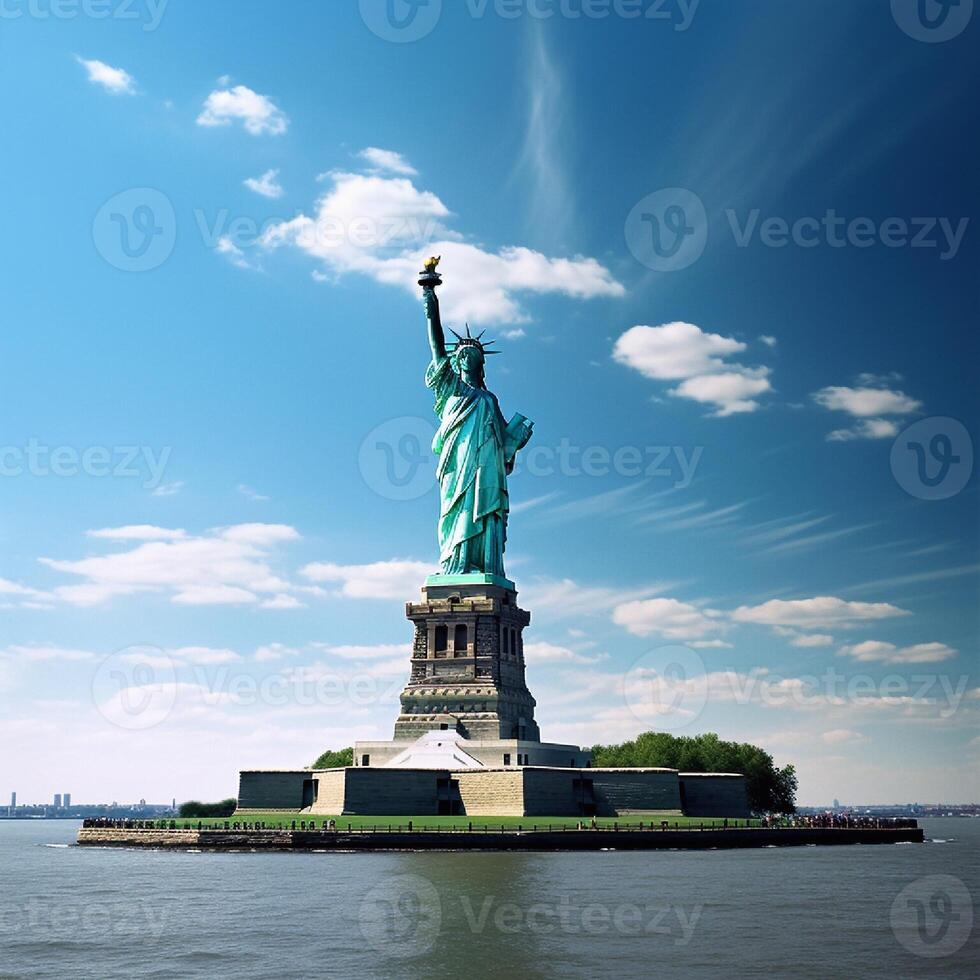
428 281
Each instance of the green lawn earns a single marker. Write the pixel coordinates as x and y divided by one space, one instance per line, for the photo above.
285 820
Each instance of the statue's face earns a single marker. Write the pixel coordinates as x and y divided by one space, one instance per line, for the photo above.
470 361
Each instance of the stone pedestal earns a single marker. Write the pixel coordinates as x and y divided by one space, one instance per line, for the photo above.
468 662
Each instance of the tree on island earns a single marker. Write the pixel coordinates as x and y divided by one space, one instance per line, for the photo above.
193 808
770 790
335 759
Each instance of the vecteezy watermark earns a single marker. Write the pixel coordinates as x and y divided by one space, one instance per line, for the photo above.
76 921
676 464
932 21
117 462
401 916
933 458
148 12
669 687
666 687
136 230
136 688
933 916
835 231
403 21
328 231
141 686
396 458
563 917
397 461
667 230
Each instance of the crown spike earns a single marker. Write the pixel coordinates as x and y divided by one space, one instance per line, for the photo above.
457 336
468 334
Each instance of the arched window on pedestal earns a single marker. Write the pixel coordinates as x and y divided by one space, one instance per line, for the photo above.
442 639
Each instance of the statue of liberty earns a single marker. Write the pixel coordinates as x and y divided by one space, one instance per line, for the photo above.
476 448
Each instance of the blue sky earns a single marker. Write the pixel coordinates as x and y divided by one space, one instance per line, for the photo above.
216 493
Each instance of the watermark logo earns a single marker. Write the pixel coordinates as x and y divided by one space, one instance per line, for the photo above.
932 21
667 230
933 916
396 458
136 230
100 462
150 12
666 687
135 688
401 21
401 916
833 230
933 458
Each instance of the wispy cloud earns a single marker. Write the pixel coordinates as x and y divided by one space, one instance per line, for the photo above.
267 185
933 575
543 158
815 540
876 651
115 81
387 160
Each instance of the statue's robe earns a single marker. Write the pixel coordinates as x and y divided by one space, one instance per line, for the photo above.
476 451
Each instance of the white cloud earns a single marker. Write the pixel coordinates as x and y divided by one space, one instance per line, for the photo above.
169 489
669 618
27 597
807 640
554 653
235 255
205 656
684 352
138 532
272 651
820 611
768 341
872 651
710 645
225 566
380 651
383 227
282 601
267 185
214 595
566 597
257 113
48 651
396 579
113 80
865 429
730 393
868 404
246 491
388 160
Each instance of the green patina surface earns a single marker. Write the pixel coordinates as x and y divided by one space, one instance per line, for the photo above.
472 578
476 448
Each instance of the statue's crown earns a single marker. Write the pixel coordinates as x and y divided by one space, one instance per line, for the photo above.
470 341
